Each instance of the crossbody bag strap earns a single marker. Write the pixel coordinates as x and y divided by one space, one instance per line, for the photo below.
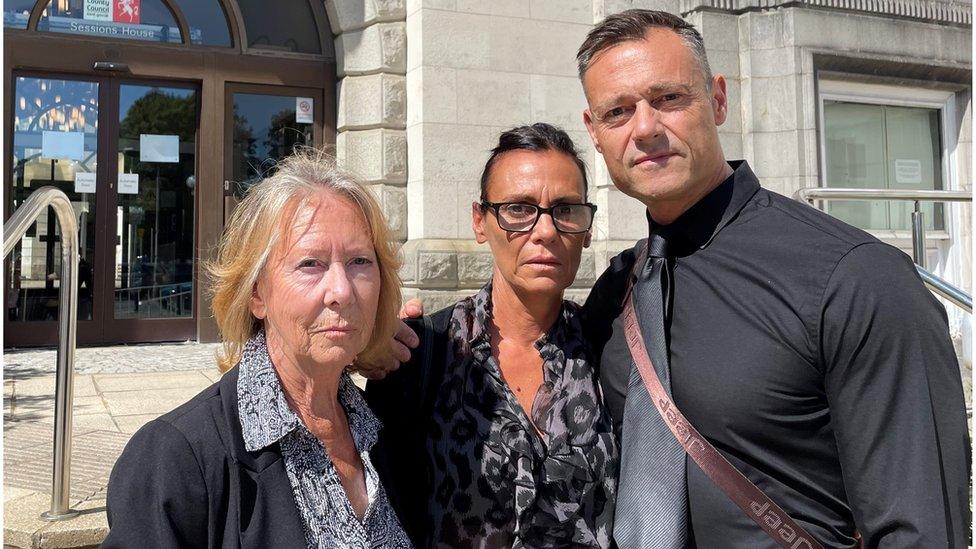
753 502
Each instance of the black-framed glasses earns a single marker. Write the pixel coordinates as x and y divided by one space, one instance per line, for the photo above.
521 217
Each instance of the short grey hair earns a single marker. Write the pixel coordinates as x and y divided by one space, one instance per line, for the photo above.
633 25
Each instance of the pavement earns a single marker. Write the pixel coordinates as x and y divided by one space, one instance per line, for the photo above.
116 391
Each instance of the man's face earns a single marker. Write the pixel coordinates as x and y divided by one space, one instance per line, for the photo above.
652 116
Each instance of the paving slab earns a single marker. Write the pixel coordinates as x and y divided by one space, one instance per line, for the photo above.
131 424
194 380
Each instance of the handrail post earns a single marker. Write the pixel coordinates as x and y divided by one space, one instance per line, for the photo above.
14 229
918 235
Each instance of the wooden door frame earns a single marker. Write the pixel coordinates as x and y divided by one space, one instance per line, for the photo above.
211 68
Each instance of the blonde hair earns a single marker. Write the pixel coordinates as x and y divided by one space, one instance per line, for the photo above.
256 227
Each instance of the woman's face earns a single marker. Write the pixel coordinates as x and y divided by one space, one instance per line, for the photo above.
318 293
544 259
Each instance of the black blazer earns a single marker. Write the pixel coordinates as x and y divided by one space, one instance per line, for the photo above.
185 480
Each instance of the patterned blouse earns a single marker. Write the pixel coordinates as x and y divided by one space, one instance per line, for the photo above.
496 482
326 512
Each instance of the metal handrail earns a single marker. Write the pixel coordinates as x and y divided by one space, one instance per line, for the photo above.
937 285
959 298
13 230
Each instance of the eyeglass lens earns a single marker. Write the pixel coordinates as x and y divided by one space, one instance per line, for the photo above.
568 218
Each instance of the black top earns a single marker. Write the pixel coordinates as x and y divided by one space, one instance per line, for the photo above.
186 480
493 481
812 356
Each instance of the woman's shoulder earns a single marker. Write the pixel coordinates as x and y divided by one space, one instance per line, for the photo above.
193 425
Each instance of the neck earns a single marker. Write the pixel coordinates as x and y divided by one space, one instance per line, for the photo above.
665 212
312 392
522 317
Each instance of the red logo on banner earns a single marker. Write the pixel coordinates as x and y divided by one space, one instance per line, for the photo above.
125 11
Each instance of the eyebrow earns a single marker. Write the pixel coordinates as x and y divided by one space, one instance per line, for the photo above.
564 199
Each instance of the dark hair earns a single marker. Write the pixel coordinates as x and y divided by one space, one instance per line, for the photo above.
633 25
539 137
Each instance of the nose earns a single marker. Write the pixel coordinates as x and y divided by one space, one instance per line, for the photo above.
337 287
545 229
647 122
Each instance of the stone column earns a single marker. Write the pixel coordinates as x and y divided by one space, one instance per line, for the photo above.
371 140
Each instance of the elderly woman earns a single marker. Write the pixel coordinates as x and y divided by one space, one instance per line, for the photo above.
277 453
496 428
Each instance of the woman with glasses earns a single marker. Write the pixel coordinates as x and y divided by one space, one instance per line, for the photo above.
495 433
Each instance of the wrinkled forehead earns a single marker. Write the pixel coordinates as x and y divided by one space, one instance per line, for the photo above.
308 216
528 176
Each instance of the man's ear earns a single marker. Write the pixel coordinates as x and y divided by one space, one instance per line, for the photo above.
588 121
587 238
720 100
478 223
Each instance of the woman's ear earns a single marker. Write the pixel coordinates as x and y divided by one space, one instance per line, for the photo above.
257 305
478 222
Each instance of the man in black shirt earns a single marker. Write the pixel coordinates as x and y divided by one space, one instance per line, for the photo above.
805 350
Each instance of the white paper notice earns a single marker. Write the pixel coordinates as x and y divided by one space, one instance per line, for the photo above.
128 183
908 171
304 112
63 145
84 182
159 148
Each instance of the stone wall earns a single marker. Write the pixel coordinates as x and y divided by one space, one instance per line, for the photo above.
427 85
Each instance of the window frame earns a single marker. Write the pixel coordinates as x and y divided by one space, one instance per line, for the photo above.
835 88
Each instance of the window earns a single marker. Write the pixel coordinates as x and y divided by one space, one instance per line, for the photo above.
207 22
289 26
16 13
148 20
881 137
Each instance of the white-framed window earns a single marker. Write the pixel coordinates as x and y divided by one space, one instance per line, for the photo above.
882 136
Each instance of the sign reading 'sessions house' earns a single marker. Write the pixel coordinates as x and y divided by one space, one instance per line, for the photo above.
110 19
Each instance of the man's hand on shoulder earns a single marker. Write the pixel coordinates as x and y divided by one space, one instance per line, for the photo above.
402 342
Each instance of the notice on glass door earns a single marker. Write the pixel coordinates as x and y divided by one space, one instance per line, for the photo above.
304 113
128 183
84 182
159 148
63 145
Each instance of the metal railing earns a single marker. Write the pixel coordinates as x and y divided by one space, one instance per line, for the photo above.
939 286
15 228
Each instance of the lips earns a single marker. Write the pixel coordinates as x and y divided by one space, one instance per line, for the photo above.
655 157
546 261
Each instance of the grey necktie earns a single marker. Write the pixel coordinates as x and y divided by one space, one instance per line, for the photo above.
652 500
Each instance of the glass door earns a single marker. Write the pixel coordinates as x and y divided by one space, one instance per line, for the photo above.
156 180
55 142
125 153
264 125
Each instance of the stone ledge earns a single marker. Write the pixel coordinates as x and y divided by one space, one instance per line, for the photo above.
23 527
935 11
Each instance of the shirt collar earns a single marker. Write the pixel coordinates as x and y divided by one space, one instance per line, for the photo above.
265 414
702 222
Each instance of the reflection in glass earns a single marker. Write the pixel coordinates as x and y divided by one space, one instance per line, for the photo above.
207 22
154 234
16 13
883 147
265 131
48 105
285 25
148 20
